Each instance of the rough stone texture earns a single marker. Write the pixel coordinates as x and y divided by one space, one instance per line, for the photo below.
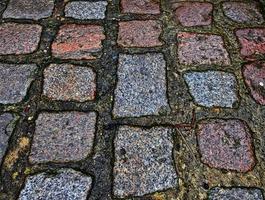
141 87
67 82
86 10
226 144
252 41
212 88
29 9
193 13
66 184
195 48
235 194
140 7
139 33
15 81
63 137
19 38
143 161
6 130
78 41
254 75
243 12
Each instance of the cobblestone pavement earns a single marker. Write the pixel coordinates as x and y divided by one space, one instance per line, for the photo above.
132 99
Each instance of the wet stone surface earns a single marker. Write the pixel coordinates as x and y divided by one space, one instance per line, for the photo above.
202 49
141 88
140 7
212 88
86 10
15 81
19 38
193 13
143 161
226 144
66 184
235 194
68 82
63 137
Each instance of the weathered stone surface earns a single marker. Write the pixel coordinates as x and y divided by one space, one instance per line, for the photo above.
226 144
252 41
65 184
243 12
86 10
67 82
143 161
139 33
29 9
63 137
195 48
75 41
141 88
15 81
6 130
140 7
19 38
254 75
212 88
193 13
235 194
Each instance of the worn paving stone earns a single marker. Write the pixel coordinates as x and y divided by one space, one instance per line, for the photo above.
235 194
212 88
140 7
75 41
226 144
66 184
141 88
254 75
143 161
19 38
86 10
195 48
193 13
139 33
243 12
6 129
15 81
63 137
252 41
29 9
68 82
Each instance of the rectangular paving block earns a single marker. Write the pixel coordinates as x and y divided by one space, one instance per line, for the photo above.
141 89
143 161
140 7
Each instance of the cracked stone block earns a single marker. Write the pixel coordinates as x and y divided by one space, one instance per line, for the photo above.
202 49
86 10
243 12
140 7
143 161
235 193
6 129
212 88
252 41
67 82
63 137
193 13
78 41
15 81
141 88
254 75
19 38
226 144
65 184
140 33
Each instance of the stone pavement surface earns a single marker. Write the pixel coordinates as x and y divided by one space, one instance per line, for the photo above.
132 99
